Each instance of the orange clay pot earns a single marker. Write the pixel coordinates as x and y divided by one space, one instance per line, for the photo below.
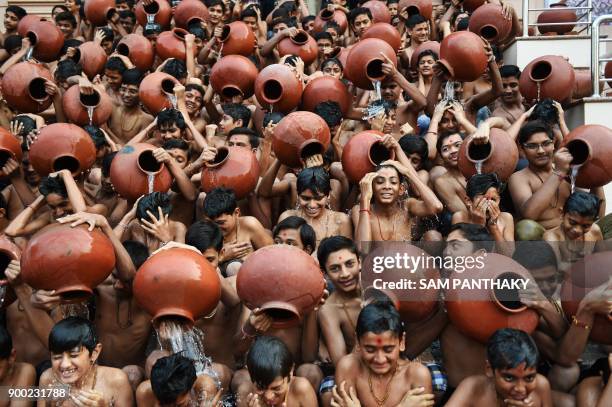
326 88
590 148
92 58
472 5
235 168
196 289
379 10
363 152
171 44
559 14
478 313
302 45
98 12
130 171
189 11
500 155
277 88
10 147
427 45
585 275
234 75
46 39
583 85
71 261
463 56
237 38
325 16
77 105
26 22
62 146
23 87
385 32
489 22
156 91
422 7
299 135
138 49
341 54
549 76
159 11
8 252
286 294
364 62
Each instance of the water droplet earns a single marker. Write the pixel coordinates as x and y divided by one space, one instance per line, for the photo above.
478 165
90 113
539 87
2 294
573 175
377 89
449 91
150 182
172 100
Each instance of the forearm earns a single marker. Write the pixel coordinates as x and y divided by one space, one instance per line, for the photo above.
59 109
12 61
419 100
432 96
429 198
310 338
25 194
17 225
183 182
268 47
190 60
123 262
122 226
575 339
540 200
267 181
364 229
142 135
74 193
557 325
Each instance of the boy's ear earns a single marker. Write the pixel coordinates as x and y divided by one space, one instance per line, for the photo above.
489 370
237 212
403 342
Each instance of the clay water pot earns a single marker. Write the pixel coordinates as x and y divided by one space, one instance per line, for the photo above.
159 11
472 5
99 12
286 294
234 75
302 45
171 44
500 155
10 147
92 58
71 261
364 62
233 167
8 252
363 152
299 135
156 90
195 286
585 275
277 87
78 106
131 169
23 87
325 16
189 11
62 146
478 312
323 89
46 39
422 7
26 22
379 10
427 45
549 76
559 14
138 49
237 38
489 22
528 230
385 32
341 53
590 148
583 85
462 54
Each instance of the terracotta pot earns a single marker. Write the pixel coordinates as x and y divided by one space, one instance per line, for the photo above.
478 313
472 5
98 12
385 32
583 85
233 75
189 11
46 39
364 62
156 91
590 148
277 87
235 168
286 294
422 7
196 289
559 15
131 169
341 54
138 49
159 11
62 146
302 45
23 87
428 45
8 252
500 155
585 275
462 54
171 44
363 152
237 38
71 261
10 147
92 58
325 16
528 230
379 10
323 89
84 109
299 135
26 22
489 22
549 76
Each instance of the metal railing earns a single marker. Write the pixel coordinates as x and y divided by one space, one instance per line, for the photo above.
587 11
596 59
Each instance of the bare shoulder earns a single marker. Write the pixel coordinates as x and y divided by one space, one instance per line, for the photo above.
25 374
46 378
349 365
144 394
542 384
113 376
551 235
301 385
417 372
286 214
250 222
520 176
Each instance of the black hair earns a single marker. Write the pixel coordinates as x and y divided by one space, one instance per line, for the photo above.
583 204
59 6
283 18
97 136
195 86
151 202
412 144
66 69
307 233
115 64
6 343
532 127
139 252
330 112
356 12
334 26
545 111
463 24
478 235
20 12
315 179
131 77
332 60
248 12
534 255
274 117
175 143
66 16
507 71
172 376
334 244
167 117
217 3
268 359
245 131
415 20
204 235
323 35
443 136
507 348
428 52
479 184
106 163
306 20
27 122
12 43
70 333
70 43
220 201
176 68
109 34
196 29
128 14
53 185
379 317
237 112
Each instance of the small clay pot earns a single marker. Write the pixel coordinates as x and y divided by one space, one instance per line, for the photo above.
489 22
549 76
62 146
500 155
364 62
159 11
10 147
325 16
301 45
46 39
590 148
133 167
427 45
385 32
189 11
277 87
23 87
234 75
379 10
171 44
323 89
471 5
99 12
340 53
78 107
92 58
583 85
26 22
138 49
299 135
237 39
463 56
422 7
156 91
8 252
558 14
286 294
235 168
363 152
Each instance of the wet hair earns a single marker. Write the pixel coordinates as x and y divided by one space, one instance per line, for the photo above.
356 12
268 359
12 43
315 179
53 185
237 112
307 233
59 7
334 244
281 17
204 235
444 136
172 376
248 12
329 61
428 52
323 35
131 77
66 69
330 112
534 255
66 16
139 252
479 184
274 117
306 20
217 3
245 131
109 34
176 68
168 117
70 333
377 318
411 144
97 136
128 14
508 71
28 123
507 348
106 163
115 64
6 343
20 12
334 26
195 86
196 29
175 143
291 60
463 24
478 235
415 20
220 201
70 43
151 202
545 111
151 28
583 204
532 127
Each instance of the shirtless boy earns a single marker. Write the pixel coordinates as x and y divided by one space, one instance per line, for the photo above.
13 374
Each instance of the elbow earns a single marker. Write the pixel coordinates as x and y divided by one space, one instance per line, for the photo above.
437 207
11 232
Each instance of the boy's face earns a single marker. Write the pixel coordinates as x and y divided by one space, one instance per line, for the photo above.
180 156
516 383
212 255
239 140
66 28
193 101
386 186
343 269
324 45
576 226
59 205
227 124
127 23
227 222
274 394
113 78
361 24
129 95
169 131
251 22
420 32
71 366
457 245
548 279
10 21
450 150
511 93
107 46
290 237
380 352
539 149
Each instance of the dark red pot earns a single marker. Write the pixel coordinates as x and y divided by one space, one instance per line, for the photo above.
323 89
299 134
363 152
590 147
71 261
422 7
478 313
500 155
195 286
46 39
471 5
341 54
583 85
237 39
558 15
233 75
160 9
364 62
552 74
462 54
99 12
76 106
10 147
155 91
427 45
92 58
385 32
171 44
286 294
138 49
26 22
189 11
379 10
235 168
302 45
23 87
325 16
489 22
8 252
277 88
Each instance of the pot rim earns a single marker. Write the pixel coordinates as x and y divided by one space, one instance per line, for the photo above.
226 32
232 87
467 152
266 98
220 163
173 311
144 8
74 173
498 302
284 306
588 146
325 14
496 36
95 92
300 32
148 150
74 293
310 142
2 150
379 142
449 69
39 100
180 33
380 78
542 62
